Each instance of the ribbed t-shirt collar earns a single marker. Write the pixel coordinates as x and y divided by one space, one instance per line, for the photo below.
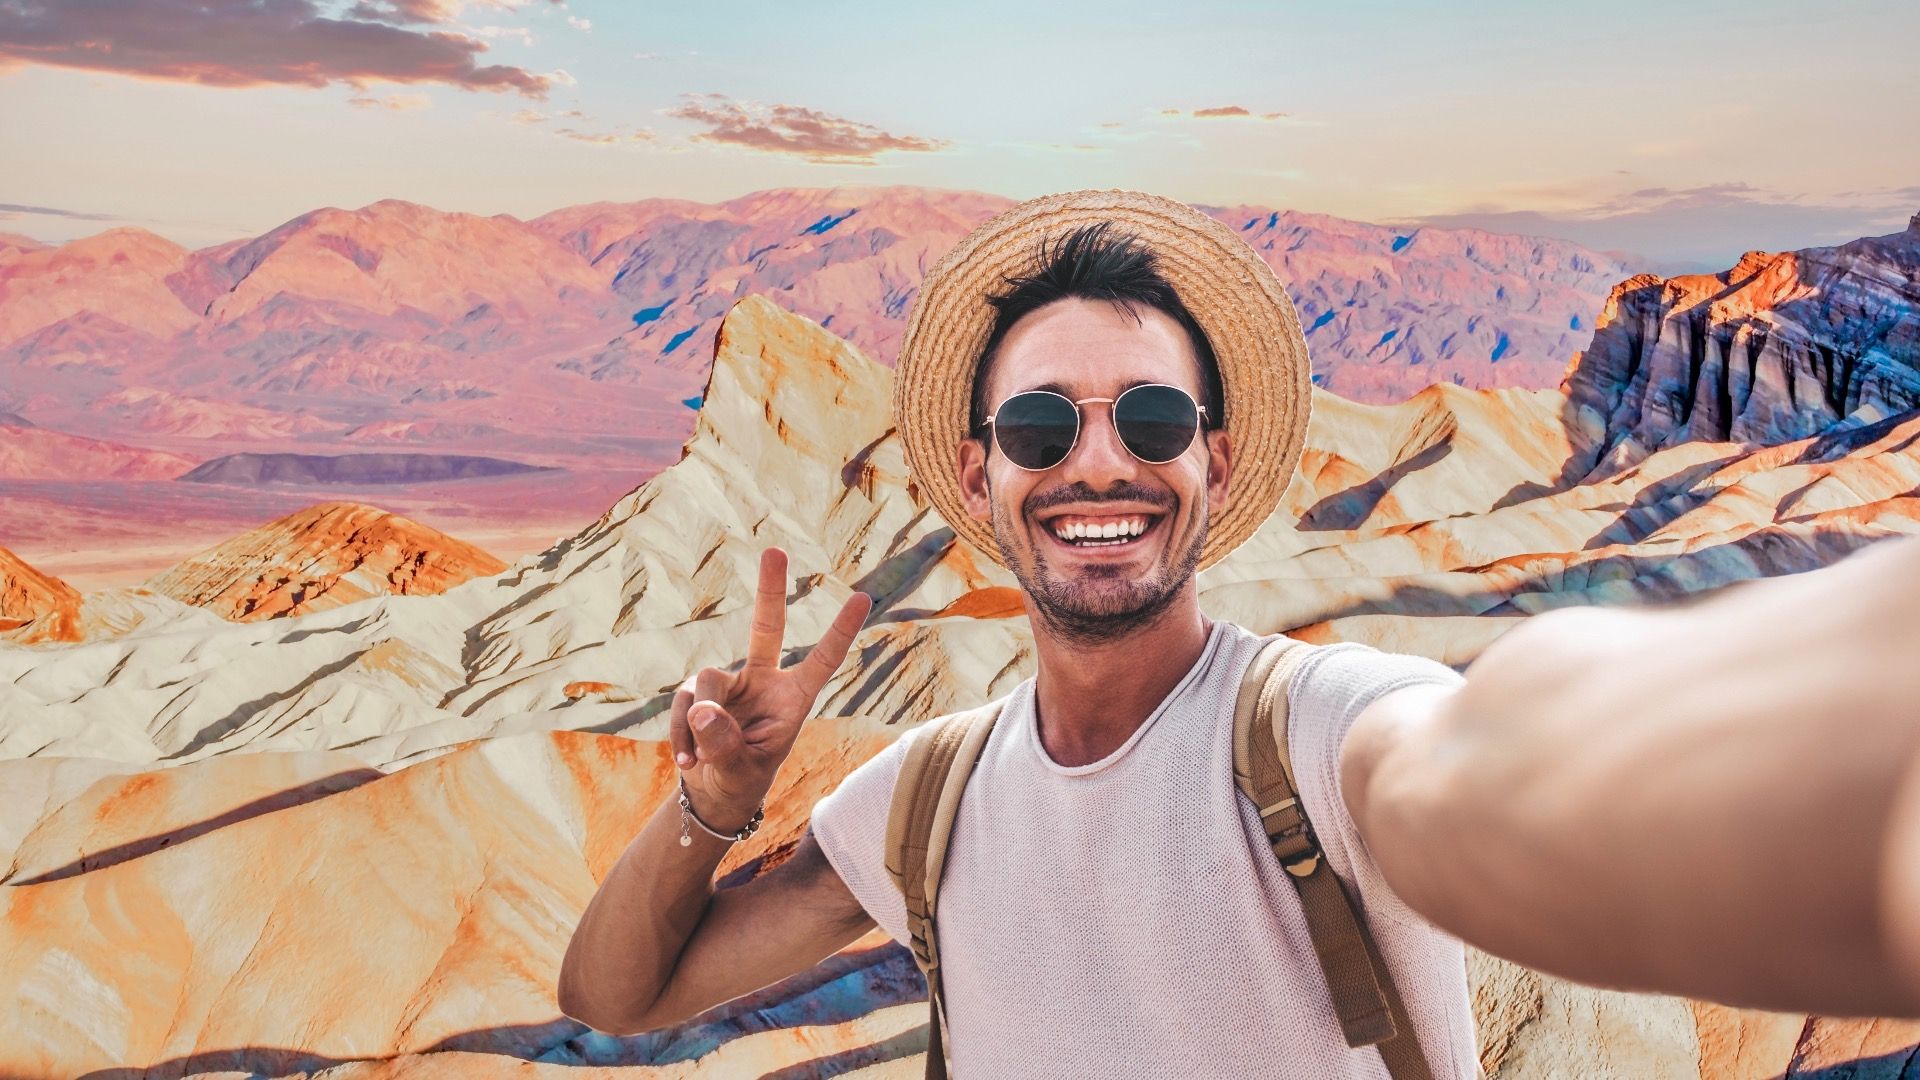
1029 703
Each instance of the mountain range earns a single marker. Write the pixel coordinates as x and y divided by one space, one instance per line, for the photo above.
353 842
580 340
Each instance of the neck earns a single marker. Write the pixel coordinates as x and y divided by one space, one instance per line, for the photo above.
1091 697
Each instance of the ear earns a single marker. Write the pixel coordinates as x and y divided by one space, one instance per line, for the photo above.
1219 467
975 491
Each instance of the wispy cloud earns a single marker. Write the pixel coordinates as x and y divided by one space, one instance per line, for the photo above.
14 209
522 34
392 102
795 130
579 23
403 12
234 43
606 138
1226 112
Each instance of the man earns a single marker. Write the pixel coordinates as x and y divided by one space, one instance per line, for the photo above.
1108 391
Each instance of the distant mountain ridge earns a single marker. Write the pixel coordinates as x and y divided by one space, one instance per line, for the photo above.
597 320
349 468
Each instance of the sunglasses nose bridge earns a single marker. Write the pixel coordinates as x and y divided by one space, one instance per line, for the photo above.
1099 455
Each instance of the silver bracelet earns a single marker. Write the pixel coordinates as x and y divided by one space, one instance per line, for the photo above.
687 814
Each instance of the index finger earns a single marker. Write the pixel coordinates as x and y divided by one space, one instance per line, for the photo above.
831 649
769 611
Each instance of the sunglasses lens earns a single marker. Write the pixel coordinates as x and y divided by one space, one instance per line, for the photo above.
1156 422
1036 429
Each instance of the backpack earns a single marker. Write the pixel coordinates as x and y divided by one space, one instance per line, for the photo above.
934 775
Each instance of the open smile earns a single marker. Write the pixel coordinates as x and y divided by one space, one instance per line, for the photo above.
1107 533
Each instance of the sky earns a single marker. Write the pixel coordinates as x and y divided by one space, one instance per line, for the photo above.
1682 138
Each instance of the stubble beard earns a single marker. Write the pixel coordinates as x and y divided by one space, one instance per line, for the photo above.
1087 614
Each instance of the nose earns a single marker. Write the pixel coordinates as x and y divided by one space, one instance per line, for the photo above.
1099 459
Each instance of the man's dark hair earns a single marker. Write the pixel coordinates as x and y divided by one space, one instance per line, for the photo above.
1096 262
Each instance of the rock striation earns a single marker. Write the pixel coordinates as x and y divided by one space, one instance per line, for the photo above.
34 607
1778 347
323 557
353 841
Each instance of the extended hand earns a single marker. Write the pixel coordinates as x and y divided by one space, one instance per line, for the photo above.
731 730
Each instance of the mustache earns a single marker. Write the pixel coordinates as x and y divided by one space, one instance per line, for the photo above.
1082 492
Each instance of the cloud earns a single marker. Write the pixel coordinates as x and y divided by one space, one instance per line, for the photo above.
561 76
519 33
1227 112
606 138
795 130
402 12
578 23
392 102
12 209
235 43
1689 230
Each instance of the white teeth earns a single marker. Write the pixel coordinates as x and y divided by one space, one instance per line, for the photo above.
1121 529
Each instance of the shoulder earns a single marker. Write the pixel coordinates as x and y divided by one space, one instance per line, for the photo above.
1335 683
1330 690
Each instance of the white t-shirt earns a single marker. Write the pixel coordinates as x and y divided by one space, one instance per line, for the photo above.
1128 918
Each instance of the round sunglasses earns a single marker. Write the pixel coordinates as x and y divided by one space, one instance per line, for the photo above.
1037 429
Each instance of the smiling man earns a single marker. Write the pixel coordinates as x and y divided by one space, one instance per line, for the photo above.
1107 391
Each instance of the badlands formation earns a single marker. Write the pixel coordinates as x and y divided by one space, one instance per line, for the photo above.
580 340
353 843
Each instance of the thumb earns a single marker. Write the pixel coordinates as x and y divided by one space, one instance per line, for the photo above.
716 736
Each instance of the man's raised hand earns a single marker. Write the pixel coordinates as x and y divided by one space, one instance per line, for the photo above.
731 730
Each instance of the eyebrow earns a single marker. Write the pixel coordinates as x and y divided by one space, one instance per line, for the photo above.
1056 388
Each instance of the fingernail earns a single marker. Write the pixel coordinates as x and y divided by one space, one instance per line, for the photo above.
685 759
703 719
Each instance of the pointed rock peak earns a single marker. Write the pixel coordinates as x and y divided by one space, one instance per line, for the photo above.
782 375
1913 224
322 557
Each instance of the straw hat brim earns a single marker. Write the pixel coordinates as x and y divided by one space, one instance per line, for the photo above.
1231 292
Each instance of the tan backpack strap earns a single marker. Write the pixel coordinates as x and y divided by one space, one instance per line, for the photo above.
1364 996
925 799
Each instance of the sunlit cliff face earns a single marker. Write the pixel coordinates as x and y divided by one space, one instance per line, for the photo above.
1102 542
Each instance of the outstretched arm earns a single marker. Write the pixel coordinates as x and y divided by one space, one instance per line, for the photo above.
1702 800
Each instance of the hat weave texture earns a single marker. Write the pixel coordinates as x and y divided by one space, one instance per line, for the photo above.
1231 292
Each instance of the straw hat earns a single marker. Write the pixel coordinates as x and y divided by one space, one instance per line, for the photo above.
1230 291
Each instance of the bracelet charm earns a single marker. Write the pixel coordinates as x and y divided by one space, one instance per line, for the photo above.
687 815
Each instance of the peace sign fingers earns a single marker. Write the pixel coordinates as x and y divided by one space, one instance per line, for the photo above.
769 611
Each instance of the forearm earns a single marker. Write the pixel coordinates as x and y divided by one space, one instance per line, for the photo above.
1697 800
634 930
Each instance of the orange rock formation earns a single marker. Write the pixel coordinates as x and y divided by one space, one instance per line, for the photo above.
33 606
323 557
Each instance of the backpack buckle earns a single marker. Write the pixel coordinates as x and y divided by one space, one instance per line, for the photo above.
923 948
1303 863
